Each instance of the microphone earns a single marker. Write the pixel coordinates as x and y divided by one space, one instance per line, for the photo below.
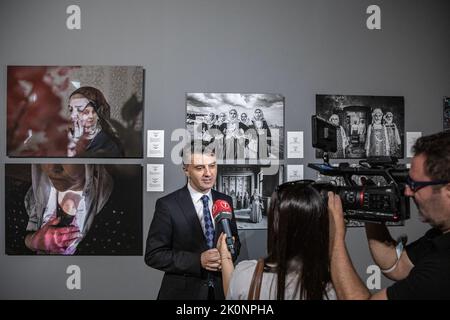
221 212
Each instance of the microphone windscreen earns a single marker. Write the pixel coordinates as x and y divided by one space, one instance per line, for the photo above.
221 210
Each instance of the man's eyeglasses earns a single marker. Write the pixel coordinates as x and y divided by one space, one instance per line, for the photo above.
417 185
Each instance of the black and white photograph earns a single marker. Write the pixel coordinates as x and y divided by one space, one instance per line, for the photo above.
367 126
75 111
446 113
73 209
250 188
240 126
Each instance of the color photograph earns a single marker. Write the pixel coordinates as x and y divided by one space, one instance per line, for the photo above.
75 111
73 209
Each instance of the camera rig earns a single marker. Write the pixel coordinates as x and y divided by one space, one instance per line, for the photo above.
362 198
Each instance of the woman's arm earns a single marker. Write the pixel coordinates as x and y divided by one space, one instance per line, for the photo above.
226 261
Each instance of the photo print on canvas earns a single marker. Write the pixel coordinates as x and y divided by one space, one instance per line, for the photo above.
75 111
240 126
250 188
367 125
73 209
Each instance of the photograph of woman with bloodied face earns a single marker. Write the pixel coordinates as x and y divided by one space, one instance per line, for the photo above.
90 131
73 209
75 111
367 126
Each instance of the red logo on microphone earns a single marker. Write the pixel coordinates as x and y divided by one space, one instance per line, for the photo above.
221 206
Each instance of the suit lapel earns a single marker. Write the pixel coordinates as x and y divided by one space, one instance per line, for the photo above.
187 207
216 195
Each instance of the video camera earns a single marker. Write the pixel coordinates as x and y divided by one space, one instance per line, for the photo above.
363 199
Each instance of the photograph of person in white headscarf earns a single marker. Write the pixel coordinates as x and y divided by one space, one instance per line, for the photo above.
240 126
367 126
73 209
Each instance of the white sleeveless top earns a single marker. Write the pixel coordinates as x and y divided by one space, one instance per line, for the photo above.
242 277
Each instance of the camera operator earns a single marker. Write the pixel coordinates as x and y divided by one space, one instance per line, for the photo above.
422 269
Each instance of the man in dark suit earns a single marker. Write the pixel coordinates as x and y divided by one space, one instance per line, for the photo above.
182 237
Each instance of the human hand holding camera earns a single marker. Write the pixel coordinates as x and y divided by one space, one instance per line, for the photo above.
336 219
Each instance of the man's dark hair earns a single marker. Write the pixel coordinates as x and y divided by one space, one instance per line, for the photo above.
195 147
436 148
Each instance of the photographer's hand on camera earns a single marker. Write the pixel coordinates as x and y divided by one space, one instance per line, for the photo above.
337 222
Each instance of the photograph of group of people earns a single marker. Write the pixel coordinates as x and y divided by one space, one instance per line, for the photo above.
75 111
367 126
239 126
250 188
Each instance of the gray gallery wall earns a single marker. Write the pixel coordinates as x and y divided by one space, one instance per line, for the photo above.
292 47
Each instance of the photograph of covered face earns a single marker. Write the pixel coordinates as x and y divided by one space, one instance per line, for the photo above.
73 209
91 133
75 111
342 141
366 125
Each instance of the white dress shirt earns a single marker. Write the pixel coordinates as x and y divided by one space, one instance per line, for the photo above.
198 204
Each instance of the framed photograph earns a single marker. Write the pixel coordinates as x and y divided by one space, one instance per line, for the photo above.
250 187
367 125
75 111
73 209
446 113
240 126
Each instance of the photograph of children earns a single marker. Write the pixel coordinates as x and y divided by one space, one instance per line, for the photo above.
250 188
241 126
75 111
446 113
367 126
73 209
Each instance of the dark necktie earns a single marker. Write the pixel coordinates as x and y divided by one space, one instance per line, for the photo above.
209 227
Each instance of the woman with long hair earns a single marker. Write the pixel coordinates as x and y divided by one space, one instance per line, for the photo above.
92 134
297 265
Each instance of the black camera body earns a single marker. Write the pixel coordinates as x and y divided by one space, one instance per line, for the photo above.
363 199
369 202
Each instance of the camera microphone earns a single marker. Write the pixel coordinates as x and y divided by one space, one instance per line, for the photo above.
222 213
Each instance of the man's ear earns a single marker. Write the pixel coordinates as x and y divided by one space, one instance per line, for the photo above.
185 170
447 190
